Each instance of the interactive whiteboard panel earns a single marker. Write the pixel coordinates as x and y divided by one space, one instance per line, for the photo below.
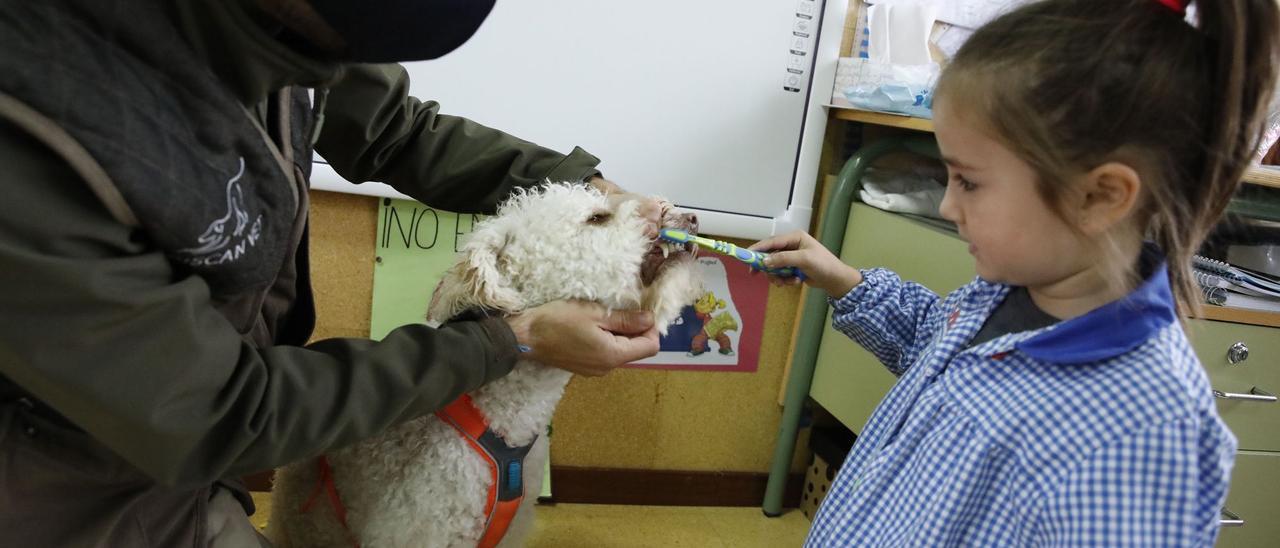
714 104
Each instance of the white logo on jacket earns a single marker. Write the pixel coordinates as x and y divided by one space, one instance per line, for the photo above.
221 242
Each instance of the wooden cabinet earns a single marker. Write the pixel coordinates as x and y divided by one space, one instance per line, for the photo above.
849 382
1254 498
1255 421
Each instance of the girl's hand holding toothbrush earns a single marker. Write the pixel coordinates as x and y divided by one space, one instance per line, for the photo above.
822 269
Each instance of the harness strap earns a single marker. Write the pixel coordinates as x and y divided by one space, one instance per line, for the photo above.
325 485
505 463
506 490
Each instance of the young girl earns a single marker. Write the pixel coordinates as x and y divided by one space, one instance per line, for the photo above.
1055 400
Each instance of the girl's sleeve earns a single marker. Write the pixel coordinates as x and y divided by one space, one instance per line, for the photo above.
1164 486
890 318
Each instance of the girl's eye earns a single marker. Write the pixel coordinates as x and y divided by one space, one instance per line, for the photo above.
965 184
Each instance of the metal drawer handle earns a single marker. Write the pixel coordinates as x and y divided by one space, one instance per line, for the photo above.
1238 353
1230 520
1255 394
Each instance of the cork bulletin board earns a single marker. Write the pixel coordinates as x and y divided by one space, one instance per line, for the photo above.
632 418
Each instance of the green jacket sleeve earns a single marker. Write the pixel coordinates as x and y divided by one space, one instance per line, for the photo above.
96 325
374 131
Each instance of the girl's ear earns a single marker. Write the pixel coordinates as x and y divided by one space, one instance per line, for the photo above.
476 280
1107 196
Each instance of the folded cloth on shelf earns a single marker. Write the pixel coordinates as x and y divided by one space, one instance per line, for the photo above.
902 192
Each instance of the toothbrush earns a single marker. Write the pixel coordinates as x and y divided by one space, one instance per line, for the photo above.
754 259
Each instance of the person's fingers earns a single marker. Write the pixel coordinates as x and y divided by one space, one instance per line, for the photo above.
606 186
639 347
651 211
628 322
779 259
766 244
790 240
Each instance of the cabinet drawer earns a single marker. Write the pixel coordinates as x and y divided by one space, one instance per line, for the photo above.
1255 423
847 380
1254 496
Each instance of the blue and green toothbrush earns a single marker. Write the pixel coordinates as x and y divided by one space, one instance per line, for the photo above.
754 259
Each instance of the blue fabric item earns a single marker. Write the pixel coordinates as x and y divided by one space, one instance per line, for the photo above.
1112 329
992 445
891 97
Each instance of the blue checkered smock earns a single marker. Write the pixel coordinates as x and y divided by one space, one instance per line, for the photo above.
1096 431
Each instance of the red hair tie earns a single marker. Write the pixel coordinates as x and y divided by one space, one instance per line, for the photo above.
1179 6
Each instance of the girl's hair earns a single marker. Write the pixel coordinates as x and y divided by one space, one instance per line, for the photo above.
1071 84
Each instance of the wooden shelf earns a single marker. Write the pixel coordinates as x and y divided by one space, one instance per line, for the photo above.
1262 176
1269 177
1240 315
882 119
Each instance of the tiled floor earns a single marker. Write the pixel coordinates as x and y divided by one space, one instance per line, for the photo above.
601 526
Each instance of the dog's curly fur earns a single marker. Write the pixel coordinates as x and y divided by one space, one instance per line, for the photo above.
420 484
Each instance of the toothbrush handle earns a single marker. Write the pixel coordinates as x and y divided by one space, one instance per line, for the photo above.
755 259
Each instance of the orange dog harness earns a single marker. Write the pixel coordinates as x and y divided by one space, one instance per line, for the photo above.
506 470
506 466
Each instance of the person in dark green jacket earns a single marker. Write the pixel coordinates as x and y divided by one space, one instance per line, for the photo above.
155 308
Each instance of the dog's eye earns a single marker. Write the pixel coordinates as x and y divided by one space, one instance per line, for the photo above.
599 217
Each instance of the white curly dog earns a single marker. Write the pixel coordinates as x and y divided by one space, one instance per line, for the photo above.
421 483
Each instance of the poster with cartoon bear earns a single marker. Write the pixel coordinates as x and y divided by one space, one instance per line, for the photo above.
722 330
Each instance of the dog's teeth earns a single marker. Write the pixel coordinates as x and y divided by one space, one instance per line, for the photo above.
666 250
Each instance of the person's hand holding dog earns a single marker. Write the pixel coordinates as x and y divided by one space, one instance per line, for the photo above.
583 337
822 269
605 186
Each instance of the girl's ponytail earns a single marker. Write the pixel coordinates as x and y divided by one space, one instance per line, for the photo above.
1242 41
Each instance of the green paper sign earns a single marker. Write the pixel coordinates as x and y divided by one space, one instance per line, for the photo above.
416 245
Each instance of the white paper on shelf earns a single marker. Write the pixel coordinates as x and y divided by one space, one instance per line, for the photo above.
951 38
965 13
899 33
909 27
878 34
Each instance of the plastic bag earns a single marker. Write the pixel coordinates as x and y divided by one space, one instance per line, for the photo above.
904 89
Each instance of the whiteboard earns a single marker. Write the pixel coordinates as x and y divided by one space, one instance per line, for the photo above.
714 104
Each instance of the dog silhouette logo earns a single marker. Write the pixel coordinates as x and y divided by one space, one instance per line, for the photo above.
228 237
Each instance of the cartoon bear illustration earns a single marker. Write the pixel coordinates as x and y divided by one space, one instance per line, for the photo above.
713 326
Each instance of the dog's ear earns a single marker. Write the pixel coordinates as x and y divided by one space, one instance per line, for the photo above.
475 280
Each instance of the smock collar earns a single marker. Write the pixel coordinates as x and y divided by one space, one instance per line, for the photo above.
1114 328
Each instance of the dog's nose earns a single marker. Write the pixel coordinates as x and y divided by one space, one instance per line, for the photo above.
690 222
